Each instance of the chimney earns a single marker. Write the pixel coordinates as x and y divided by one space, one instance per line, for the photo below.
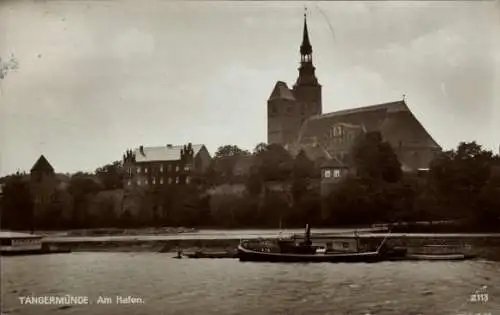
141 150
169 146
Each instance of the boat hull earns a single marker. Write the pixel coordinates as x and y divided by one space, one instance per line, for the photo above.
245 254
438 257
198 255
33 252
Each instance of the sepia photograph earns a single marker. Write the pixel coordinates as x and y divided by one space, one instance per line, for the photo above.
249 157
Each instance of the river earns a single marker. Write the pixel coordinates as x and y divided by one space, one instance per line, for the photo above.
227 286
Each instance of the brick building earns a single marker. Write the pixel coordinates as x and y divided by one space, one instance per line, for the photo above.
165 165
155 170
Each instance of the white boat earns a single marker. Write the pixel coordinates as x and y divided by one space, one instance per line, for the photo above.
439 252
15 243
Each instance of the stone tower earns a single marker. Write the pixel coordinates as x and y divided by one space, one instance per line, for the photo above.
43 185
287 109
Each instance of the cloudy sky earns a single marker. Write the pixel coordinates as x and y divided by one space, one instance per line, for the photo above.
98 77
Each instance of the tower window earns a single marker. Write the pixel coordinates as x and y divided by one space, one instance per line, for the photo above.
328 174
336 173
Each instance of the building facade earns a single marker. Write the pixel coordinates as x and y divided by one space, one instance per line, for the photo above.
160 166
296 121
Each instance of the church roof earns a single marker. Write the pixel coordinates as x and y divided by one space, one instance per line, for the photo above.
394 119
281 91
163 153
42 165
333 162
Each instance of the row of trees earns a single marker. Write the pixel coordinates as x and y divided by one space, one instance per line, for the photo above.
281 190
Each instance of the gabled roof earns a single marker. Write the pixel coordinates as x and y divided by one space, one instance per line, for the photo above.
333 162
281 91
393 119
42 165
164 153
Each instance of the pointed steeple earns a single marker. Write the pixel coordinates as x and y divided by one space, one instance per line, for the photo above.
42 165
305 47
306 70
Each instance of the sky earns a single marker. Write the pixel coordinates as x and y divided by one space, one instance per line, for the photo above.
95 78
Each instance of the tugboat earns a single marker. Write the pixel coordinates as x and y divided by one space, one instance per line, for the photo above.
289 250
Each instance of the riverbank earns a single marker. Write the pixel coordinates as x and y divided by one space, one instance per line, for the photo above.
482 245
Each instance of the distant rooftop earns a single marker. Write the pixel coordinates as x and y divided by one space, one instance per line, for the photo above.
42 165
164 153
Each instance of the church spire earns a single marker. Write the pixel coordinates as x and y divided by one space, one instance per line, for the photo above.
305 48
306 70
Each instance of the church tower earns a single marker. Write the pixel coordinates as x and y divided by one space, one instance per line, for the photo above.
307 90
287 109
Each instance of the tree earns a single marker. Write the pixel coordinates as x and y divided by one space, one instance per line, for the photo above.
230 150
81 186
17 204
274 163
375 158
259 148
111 175
462 179
6 66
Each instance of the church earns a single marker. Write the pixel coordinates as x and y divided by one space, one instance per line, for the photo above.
296 121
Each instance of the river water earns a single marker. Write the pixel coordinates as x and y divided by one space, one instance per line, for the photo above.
227 286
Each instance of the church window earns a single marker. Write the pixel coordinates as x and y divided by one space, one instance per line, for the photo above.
328 173
336 173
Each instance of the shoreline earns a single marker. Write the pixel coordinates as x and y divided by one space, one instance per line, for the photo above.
481 245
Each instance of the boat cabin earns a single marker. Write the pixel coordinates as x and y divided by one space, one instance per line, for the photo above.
13 241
